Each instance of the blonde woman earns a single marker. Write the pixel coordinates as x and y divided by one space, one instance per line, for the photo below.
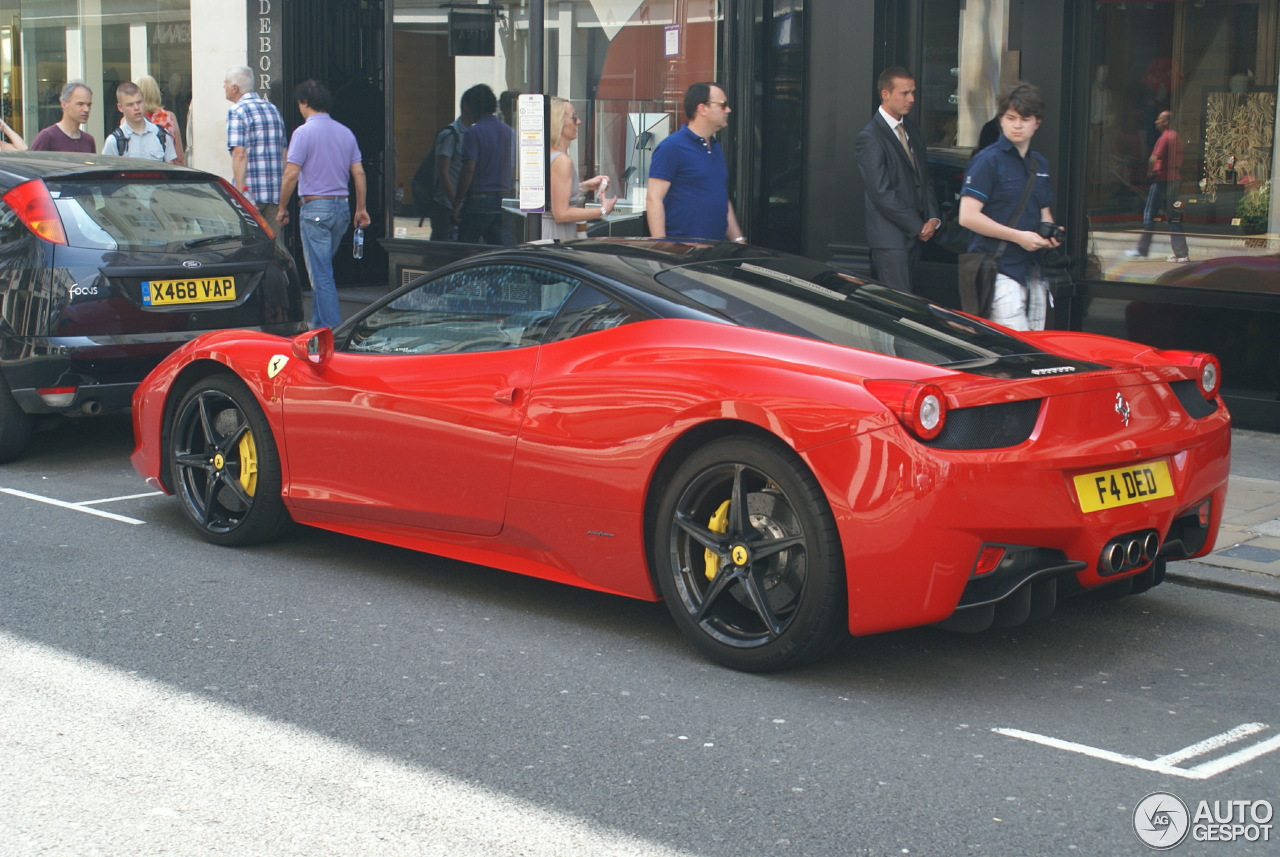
155 112
11 141
567 208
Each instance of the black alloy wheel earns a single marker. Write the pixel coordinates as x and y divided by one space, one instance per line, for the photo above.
224 465
748 557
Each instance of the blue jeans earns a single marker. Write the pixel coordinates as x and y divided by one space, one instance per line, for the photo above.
321 224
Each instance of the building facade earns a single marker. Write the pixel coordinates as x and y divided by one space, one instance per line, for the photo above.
800 76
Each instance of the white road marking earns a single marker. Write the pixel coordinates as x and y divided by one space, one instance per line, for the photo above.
99 761
117 499
78 507
1167 764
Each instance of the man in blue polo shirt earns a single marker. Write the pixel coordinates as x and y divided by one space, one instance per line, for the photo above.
488 168
688 193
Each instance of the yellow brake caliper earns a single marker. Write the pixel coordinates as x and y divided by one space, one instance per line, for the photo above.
248 464
719 523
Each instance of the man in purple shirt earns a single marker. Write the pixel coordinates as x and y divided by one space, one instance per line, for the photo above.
323 156
488 167
65 134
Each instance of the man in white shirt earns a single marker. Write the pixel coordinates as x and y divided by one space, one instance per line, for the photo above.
137 137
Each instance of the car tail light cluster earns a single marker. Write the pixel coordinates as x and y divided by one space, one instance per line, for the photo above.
1208 369
248 206
922 408
32 204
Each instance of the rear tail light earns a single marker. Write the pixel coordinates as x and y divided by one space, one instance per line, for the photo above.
248 206
57 397
1208 369
988 560
922 408
32 204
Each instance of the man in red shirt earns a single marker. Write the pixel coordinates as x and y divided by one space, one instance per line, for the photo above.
65 135
1165 170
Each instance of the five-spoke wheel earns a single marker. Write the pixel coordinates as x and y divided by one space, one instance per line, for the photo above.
748 557
224 465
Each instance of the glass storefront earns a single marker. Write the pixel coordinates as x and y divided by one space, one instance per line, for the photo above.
623 63
1206 275
44 43
1208 71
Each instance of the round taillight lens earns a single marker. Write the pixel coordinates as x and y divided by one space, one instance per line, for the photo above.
1210 377
921 407
927 411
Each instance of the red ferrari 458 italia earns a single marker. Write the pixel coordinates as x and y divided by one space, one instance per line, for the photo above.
783 453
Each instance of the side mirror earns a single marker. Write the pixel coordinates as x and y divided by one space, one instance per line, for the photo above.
314 346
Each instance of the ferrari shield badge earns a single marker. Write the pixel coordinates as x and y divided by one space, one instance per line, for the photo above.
278 362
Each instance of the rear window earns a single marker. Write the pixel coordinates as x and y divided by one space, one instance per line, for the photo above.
128 213
808 299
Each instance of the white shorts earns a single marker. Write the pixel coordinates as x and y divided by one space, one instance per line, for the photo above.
1017 306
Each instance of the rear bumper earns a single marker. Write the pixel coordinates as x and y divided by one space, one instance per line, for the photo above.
914 521
103 371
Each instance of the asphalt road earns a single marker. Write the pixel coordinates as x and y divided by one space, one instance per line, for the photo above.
328 696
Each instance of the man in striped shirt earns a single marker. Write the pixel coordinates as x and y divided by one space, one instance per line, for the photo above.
256 140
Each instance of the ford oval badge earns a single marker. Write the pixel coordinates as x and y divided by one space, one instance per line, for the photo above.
191 263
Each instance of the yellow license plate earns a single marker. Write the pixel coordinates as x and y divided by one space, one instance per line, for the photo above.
1108 489
200 291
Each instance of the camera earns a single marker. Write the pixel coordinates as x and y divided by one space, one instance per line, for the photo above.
1050 230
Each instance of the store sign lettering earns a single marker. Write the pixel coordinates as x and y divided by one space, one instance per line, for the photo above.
263 45
171 34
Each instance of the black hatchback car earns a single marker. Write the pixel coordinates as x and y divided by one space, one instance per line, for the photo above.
108 264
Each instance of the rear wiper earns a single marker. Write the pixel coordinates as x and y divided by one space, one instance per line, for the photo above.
208 239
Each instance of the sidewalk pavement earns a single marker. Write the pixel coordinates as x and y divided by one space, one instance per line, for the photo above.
1246 557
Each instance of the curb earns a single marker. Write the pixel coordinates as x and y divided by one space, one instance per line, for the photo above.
1232 580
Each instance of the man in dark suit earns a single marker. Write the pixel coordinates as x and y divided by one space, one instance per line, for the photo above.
893 163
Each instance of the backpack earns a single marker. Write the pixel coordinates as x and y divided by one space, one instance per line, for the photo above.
423 184
122 140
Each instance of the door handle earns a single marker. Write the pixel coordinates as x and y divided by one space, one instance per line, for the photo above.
506 396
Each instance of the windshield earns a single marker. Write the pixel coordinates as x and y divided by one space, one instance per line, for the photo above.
125 213
809 299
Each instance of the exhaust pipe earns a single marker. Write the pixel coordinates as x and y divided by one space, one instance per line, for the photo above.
91 408
1129 551
1151 546
1113 558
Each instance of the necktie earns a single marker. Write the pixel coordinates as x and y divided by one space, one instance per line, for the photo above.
902 135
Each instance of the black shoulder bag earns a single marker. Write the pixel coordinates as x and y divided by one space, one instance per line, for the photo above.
977 271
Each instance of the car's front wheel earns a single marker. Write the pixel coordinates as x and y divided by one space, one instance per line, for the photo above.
748 557
224 465
15 425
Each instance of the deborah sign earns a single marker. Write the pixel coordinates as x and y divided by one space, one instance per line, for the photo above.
264 43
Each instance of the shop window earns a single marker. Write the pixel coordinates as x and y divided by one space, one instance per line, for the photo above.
623 63
1206 72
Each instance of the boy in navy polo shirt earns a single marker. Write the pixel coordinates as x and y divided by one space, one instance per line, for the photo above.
993 187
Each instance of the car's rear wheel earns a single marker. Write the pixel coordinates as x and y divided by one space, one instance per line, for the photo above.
15 425
748 557
224 464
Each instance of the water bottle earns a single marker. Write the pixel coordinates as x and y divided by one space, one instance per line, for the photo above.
357 243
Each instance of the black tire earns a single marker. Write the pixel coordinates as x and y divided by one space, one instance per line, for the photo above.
16 425
224 465
777 595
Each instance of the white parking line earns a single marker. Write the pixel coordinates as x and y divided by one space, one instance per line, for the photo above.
84 506
1167 764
